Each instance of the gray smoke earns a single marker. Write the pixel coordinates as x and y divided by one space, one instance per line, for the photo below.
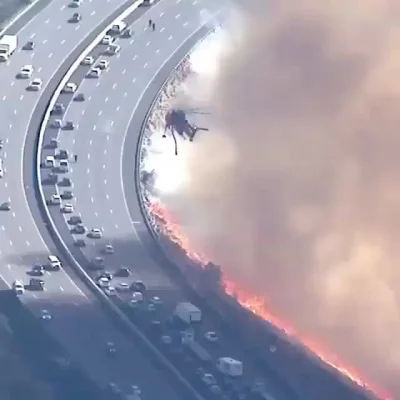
296 192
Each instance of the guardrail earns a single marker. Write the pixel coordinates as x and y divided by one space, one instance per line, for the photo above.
57 237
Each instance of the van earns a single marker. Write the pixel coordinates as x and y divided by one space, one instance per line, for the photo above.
50 162
118 27
53 263
113 49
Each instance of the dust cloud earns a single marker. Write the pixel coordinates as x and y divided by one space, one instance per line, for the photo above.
296 191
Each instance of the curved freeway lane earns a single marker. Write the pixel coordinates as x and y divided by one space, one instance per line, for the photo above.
101 125
77 319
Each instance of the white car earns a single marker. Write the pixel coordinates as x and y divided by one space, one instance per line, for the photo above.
89 60
67 208
108 249
95 233
54 262
211 337
103 64
55 200
122 287
26 72
95 73
45 315
36 85
18 287
75 3
107 40
155 300
110 291
70 87
103 282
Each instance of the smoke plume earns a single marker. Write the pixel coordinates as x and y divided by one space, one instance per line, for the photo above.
296 190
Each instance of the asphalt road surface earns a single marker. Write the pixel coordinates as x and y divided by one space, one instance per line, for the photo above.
77 319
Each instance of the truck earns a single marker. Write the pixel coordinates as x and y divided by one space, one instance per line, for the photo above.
187 313
8 44
230 367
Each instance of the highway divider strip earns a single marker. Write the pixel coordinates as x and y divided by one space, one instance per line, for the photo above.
77 267
17 16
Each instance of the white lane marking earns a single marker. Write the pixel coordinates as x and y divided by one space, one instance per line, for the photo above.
131 42
89 185
134 79
125 94
116 226
94 127
92 13
144 66
13 214
44 41
112 123
123 72
105 181
83 112
111 211
76 28
147 44
12 83
33 35
100 112
170 38
20 228
4 97
97 83
90 142
161 14
47 21
63 41
11 243
88 170
88 156
39 69
177 16
105 151
61 288
134 57
105 100
92 199
62 7
114 86
117 110
9 126
104 166
162 29
15 112
107 196
185 24
50 55
157 51
58 27
108 137
28 244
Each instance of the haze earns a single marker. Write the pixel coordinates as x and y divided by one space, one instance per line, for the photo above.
296 191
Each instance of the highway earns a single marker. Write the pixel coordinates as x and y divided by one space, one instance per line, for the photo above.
101 127
78 321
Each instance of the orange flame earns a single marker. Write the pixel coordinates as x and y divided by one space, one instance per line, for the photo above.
256 304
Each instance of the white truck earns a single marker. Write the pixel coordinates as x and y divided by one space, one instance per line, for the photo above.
187 312
229 366
8 44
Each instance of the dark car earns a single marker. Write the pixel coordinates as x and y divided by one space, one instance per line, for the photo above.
65 182
6 206
76 17
79 97
52 178
75 220
62 154
58 109
78 229
29 45
138 286
53 143
123 272
36 284
126 33
79 243
38 270
67 195
69 126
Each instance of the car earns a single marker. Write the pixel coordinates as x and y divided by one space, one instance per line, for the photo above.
108 249
63 167
94 73
1 168
76 17
211 337
45 315
62 154
35 85
29 45
75 3
67 195
110 291
65 182
18 287
112 49
209 379
148 3
36 284
26 72
70 87
69 126
79 243
89 60
97 263
52 178
75 220
55 200
58 109
38 270
166 339
155 300
123 272
126 33
107 40
79 229
111 348
6 206
135 390
53 263
57 124
103 282
122 287
103 64
95 233
138 297
53 143
151 307
79 97
67 208
133 303
138 286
